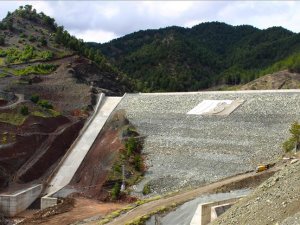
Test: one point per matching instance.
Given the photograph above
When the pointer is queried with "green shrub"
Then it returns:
(43, 41)
(32, 38)
(138, 163)
(23, 35)
(115, 192)
(131, 146)
(118, 168)
(146, 189)
(34, 98)
(45, 104)
(3, 53)
(46, 55)
(295, 68)
(294, 140)
(36, 69)
(24, 110)
(2, 40)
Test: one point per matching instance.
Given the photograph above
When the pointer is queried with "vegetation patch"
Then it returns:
(292, 63)
(119, 212)
(27, 54)
(46, 113)
(35, 69)
(16, 119)
(7, 137)
(141, 220)
(131, 159)
(294, 141)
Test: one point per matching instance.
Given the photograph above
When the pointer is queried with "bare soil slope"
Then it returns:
(280, 80)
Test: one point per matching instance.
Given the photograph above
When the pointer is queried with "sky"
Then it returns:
(102, 21)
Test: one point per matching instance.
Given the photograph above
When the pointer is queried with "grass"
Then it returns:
(39, 114)
(46, 113)
(1, 61)
(117, 213)
(36, 69)
(16, 119)
(27, 54)
(142, 219)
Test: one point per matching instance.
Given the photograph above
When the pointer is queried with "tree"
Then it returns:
(294, 140)
(131, 146)
(45, 104)
(28, 8)
(34, 98)
(115, 192)
(9, 23)
(138, 163)
(43, 41)
(24, 110)
(2, 40)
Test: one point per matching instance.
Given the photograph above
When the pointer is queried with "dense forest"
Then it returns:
(206, 55)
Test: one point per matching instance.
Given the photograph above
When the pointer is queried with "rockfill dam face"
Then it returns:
(184, 149)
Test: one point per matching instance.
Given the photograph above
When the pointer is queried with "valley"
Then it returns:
(115, 133)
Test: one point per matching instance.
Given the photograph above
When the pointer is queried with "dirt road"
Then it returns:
(20, 98)
(182, 197)
(84, 208)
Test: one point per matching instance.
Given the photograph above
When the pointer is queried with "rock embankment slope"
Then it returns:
(276, 201)
(189, 150)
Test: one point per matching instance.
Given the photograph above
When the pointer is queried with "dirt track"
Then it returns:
(83, 208)
(183, 197)
(20, 98)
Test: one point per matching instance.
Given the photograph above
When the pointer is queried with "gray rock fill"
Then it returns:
(188, 150)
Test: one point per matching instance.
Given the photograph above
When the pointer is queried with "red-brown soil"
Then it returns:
(3, 102)
(83, 208)
(95, 167)
(34, 147)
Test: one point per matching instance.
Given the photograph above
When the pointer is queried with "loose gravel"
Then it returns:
(276, 201)
(189, 150)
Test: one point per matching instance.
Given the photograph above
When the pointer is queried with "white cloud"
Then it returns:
(192, 23)
(167, 9)
(94, 35)
(110, 19)
(110, 12)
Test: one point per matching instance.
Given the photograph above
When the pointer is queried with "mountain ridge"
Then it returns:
(208, 54)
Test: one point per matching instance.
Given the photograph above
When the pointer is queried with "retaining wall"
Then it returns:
(14, 203)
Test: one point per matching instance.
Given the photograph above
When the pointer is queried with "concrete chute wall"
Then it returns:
(80, 147)
(13, 203)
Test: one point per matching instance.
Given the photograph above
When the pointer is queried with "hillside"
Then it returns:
(27, 36)
(206, 55)
(276, 201)
(279, 80)
(49, 81)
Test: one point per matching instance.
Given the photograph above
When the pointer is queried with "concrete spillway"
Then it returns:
(83, 143)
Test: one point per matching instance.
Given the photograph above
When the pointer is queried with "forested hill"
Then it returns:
(206, 55)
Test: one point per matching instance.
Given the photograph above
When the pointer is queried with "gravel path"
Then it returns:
(181, 197)
(188, 150)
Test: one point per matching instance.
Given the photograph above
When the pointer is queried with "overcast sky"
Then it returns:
(101, 21)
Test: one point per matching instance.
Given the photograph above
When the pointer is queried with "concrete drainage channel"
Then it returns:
(15, 202)
(186, 214)
(69, 165)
